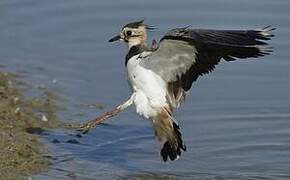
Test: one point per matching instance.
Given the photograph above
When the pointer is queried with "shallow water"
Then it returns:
(236, 121)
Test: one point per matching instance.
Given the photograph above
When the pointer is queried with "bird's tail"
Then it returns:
(168, 134)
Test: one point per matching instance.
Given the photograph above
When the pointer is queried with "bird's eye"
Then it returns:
(129, 33)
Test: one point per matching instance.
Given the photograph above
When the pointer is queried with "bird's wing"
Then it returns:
(185, 54)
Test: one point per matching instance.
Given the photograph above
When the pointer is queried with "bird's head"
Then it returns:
(133, 34)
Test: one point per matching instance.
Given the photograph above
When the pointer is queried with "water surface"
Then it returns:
(235, 122)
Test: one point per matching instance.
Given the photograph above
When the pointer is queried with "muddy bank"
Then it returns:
(21, 121)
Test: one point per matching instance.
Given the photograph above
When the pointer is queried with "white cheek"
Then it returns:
(133, 42)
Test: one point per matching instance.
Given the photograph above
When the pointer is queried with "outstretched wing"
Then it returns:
(185, 54)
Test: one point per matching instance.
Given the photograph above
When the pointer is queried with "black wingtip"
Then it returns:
(265, 33)
(269, 28)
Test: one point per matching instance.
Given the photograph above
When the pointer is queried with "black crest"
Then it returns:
(135, 24)
(138, 24)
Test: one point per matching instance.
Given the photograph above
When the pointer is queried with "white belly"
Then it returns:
(149, 88)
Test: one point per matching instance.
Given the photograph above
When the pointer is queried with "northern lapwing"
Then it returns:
(161, 75)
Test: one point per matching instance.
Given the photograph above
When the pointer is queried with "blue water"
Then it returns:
(235, 122)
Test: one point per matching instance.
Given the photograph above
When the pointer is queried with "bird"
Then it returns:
(161, 75)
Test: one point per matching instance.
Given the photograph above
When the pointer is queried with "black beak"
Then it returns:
(116, 38)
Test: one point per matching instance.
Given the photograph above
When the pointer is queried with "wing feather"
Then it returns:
(185, 54)
(172, 59)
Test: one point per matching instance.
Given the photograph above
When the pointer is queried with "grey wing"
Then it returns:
(185, 54)
(172, 59)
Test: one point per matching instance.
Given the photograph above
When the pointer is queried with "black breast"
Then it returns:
(134, 50)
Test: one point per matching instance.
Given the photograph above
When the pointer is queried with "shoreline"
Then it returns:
(22, 120)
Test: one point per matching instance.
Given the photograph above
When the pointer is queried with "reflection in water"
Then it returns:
(235, 122)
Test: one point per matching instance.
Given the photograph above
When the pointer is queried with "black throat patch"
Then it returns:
(134, 50)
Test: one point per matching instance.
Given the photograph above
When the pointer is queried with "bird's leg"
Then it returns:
(86, 127)
(127, 103)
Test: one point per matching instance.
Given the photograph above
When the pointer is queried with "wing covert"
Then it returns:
(172, 59)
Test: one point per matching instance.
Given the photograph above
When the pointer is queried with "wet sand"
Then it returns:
(22, 120)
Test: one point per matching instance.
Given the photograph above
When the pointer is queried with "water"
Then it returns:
(236, 122)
